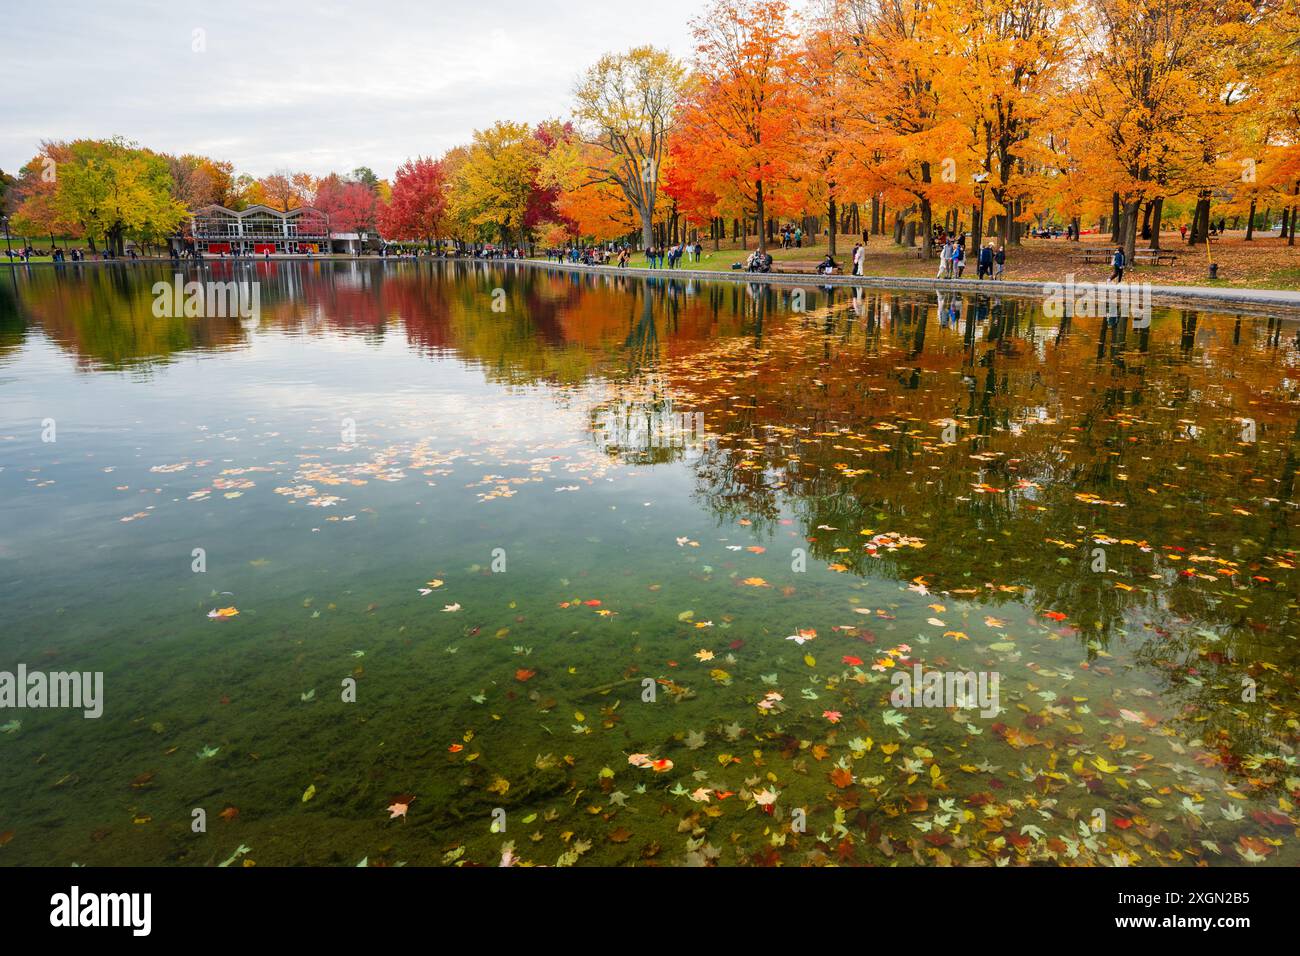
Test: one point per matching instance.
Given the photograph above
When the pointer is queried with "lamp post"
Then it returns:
(980, 179)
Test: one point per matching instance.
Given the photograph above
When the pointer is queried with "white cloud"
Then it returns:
(317, 86)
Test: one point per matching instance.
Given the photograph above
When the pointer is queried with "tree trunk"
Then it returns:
(1201, 219)
(1250, 222)
(1296, 192)
(758, 195)
(1156, 210)
(647, 228)
(927, 240)
(1114, 218)
(834, 221)
(1130, 229)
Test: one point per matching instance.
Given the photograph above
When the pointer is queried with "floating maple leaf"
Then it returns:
(842, 778)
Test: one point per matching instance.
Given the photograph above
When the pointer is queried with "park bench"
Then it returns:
(1153, 258)
(1141, 257)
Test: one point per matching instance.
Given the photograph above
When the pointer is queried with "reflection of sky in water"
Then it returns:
(664, 453)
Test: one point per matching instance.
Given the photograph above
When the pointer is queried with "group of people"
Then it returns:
(759, 262)
(587, 255)
(59, 254)
(990, 262)
(656, 256)
(620, 254)
(492, 252)
(791, 237)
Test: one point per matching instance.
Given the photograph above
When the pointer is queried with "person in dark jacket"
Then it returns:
(986, 261)
(1117, 266)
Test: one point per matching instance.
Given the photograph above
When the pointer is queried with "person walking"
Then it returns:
(858, 250)
(999, 262)
(985, 264)
(958, 259)
(945, 254)
(1117, 266)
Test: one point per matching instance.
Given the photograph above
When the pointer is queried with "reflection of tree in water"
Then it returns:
(103, 315)
(1217, 691)
(13, 328)
(1043, 479)
(643, 425)
(1097, 474)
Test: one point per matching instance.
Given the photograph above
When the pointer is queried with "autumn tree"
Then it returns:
(626, 108)
(906, 125)
(418, 206)
(822, 124)
(584, 206)
(31, 200)
(1150, 99)
(283, 190)
(199, 181)
(738, 120)
(112, 189)
(351, 206)
(1012, 52)
(493, 187)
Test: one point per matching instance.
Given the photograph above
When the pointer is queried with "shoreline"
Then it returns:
(1254, 301)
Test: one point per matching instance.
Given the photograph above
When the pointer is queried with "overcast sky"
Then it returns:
(317, 86)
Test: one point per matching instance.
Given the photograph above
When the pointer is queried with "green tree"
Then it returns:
(113, 189)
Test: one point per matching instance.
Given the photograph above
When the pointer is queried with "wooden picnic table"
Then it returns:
(1141, 257)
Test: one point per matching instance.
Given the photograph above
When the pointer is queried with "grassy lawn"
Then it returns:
(1267, 262)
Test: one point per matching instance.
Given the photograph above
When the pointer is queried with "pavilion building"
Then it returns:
(259, 230)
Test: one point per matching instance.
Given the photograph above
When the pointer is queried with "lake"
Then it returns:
(456, 564)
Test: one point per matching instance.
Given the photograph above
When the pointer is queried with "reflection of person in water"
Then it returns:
(912, 381)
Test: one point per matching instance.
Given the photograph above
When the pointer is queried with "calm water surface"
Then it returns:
(508, 527)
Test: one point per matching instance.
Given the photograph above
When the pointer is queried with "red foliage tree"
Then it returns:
(419, 203)
(351, 206)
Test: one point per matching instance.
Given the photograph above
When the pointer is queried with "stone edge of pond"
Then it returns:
(1261, 300)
